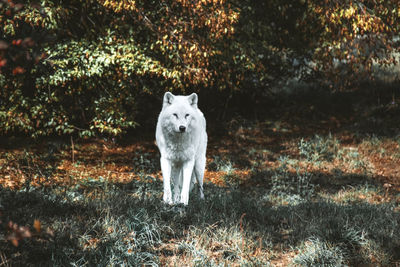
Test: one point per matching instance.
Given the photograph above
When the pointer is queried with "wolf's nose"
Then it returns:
(182, 128)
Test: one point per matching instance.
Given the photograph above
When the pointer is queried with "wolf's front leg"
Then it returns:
(176, 176)
(166, 172)
(199, 168)
(187, 171)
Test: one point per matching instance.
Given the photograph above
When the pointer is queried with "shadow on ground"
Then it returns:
(92, 226)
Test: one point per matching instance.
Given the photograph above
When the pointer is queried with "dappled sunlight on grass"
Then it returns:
(364, 193)
(269, 201)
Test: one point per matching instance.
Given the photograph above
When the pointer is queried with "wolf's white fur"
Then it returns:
(182, 140)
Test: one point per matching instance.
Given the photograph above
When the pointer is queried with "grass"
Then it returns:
(285, 196)
(108, 225)
(318, 253)
(229, 228)
(320, 148)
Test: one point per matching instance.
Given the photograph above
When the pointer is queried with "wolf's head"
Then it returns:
(180, 111)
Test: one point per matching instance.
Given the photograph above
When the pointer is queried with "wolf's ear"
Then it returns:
(168, 99)
(193, 98)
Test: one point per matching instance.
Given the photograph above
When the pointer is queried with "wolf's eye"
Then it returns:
(176, 115)
(186, 116)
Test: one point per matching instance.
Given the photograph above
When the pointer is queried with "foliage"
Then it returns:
(99, 59)
(351, 36)
(86, 67)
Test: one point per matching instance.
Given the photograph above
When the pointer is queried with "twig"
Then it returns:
(4, 260)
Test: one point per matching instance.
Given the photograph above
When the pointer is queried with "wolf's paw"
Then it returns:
(201, 193)
(168, 202)
(184, 200)
(167, 198)
(177, 199)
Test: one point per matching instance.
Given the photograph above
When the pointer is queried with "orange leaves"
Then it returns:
(355, 17)
(17, 233)
(37, 225)
(199, 4)
(351, 38)
(18, 70)
(185, 35)
(17, 42)
(349, 12)
(91, 243)
(3, 62)
(214, 19)
(119, 6)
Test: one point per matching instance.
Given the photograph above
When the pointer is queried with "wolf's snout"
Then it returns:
(182, 128)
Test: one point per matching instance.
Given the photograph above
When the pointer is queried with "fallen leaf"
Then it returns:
(37, 225)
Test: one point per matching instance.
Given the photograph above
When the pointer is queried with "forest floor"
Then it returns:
(315, 182)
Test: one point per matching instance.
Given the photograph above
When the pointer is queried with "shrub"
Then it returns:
(86, 67)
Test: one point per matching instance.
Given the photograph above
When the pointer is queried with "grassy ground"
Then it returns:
(317, 189)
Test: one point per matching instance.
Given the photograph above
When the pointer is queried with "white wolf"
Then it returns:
(182, 140)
